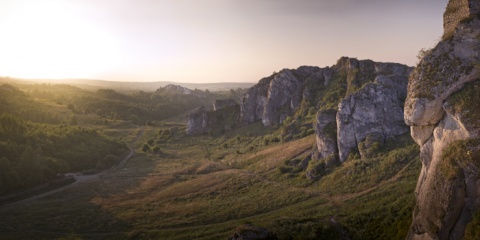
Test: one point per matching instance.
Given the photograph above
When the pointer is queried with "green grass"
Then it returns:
(183, 194)
(465, 101)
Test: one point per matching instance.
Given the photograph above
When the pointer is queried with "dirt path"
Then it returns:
(80, 178)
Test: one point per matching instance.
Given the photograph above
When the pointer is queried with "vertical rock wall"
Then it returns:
(441, 111)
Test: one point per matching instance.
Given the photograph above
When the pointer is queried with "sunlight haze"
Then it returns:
(206, 41)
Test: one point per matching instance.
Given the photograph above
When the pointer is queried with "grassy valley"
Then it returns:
(191, 187)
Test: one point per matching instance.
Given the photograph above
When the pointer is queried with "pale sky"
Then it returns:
(207, 40)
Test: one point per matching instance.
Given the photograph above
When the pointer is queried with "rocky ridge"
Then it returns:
(223, 116)
(278, 96)
(372, 108)
(443, 117)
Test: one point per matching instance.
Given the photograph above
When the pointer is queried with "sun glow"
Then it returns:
(54, 40)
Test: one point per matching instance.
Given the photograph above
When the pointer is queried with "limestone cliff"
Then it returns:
(374, 111)
(371, 107)
(278, 96)
(442, 111)
(224, 116)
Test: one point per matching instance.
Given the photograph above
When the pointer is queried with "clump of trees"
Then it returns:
(32, 153)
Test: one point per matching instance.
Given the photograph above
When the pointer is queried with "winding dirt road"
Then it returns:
(80, 178)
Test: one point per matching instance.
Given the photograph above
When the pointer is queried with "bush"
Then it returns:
(145, 148)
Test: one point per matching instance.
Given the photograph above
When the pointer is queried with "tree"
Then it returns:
(145, 148)
(156, 149)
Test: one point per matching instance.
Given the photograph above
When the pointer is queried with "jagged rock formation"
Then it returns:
(441, 108)
(372, 107)
(375, 110)
(197, 121)
(224, 116)
(278, 96)
(326, 135)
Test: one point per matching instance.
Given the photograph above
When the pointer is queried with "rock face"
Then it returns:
(197, 121)
(457, 10)
(326, 135)
(224, 116)
(441, 110)
(372, 108)
(283, 98)
(278, 96)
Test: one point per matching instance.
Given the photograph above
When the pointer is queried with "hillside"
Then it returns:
(206, 185)
(90, 84)
(357, 150)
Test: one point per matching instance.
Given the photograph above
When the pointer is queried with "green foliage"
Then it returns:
(473, 228)
(459, 155)
(334, 93)
(385, 213)
(33, 153)
(145, 148)
(363, 173)
(156, 149)
(330, 130)
(466, 101)
(289, 229)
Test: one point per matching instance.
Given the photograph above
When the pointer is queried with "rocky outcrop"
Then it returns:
(441, 110)
(197, 121)
(278, 96)
(254, 101)
(224, 116)
(326, 135)
(375, 110)
(370, 112)
(458, 10)
(283, 98)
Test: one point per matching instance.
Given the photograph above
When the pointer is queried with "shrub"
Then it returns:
(145, 148)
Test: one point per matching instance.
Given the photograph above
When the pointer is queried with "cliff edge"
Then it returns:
(442, 112)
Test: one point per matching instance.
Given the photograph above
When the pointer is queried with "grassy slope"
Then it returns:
(198, 188)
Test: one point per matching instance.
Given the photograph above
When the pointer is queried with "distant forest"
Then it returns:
(42, 135)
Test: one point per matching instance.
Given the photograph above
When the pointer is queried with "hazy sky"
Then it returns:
(206, 40)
